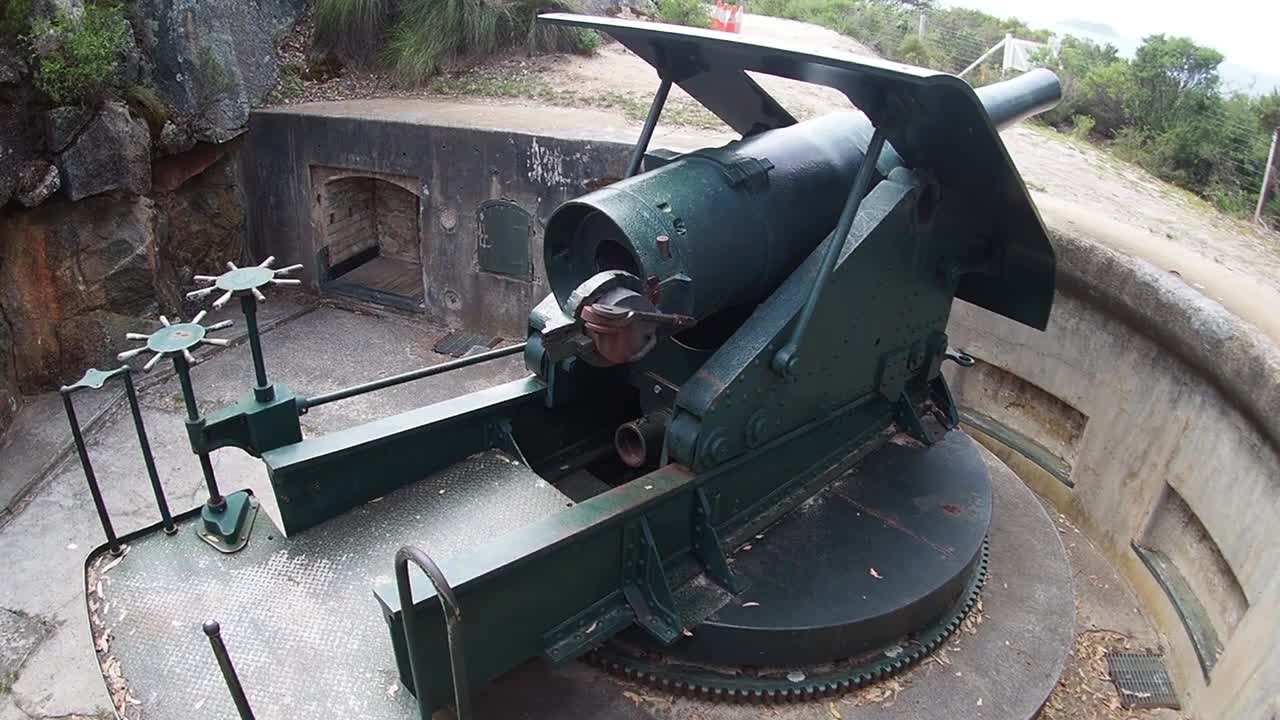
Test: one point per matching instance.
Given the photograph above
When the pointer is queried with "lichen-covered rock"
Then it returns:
(36, 183)
(12, 67)
(112, 153)
(174, 139)
(62, 125)
(214, 59)
(65, 260)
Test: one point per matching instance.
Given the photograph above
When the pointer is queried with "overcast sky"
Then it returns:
(1246, 31)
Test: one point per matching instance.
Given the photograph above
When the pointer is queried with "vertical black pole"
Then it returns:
(650, 123)
(788, 356)
(214, 631)
(262, 390)
(216, 501)
(156, 487)
(89, 476)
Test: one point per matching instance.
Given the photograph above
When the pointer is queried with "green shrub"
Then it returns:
(419, 38)
(355, 29)
(684, 12)
(77, 57)
(1081, 126)
(144, 101)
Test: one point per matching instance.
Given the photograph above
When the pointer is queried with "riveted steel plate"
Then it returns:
(298, 614)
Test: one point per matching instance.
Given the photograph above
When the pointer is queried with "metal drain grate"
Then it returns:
(1142, 680)
(459, 343)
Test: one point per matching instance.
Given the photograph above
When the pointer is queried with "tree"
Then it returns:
(1172, 76)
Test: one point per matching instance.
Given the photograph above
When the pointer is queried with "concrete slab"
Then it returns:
(20, 634)
(556, 122)
(61, 678)
(41, 435)
(40, 438)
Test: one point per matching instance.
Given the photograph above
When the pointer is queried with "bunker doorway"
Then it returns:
(370, 244)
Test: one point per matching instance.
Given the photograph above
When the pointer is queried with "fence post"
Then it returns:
(1268, 177)
(924, 21)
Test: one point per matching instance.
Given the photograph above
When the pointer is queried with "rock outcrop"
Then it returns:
(111, 152)
(214, 59)
(63, 261)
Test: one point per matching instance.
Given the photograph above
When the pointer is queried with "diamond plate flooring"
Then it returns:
(298, 614)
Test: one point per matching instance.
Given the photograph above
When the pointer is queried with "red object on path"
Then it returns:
(726, 17)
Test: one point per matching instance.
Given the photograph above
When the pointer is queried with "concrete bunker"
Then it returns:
(367, 236)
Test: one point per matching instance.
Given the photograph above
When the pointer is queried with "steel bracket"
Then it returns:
(707, 546)
(909, 418)
(644, 584)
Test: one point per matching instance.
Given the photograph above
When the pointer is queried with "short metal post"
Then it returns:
(214, 631)
(788, 356)
(650, 123)
(88, 474)
(183, 368)
(262, 389)
(1268, 176)
(452, 627)
(147, 457)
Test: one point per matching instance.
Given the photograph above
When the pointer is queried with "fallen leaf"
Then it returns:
(835, 714)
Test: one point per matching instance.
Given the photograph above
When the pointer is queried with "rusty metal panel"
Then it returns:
(502, 239)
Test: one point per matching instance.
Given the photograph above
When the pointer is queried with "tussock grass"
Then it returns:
(418, 38)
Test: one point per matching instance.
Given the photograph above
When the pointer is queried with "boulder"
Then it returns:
(112, 153)
(215, 59)
(63, 125)
(175, 140)
(36, 183)
(12, 67)
(65, 260)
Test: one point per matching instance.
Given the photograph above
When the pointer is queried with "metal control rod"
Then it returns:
(650, 123)
(305, 404)
(788, 356)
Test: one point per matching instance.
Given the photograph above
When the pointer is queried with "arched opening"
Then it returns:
(369, 241)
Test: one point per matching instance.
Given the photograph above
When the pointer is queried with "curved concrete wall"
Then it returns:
(1150, 415)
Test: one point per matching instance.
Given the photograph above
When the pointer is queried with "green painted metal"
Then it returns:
(251, 424)
(228, 527)
(565, 570)
(317, 478)
(502, 239)
(935, 122)
(644, 583)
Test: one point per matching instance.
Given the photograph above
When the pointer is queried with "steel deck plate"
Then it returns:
(298, 614)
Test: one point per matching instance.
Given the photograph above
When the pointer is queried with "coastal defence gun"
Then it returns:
(734, 423)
